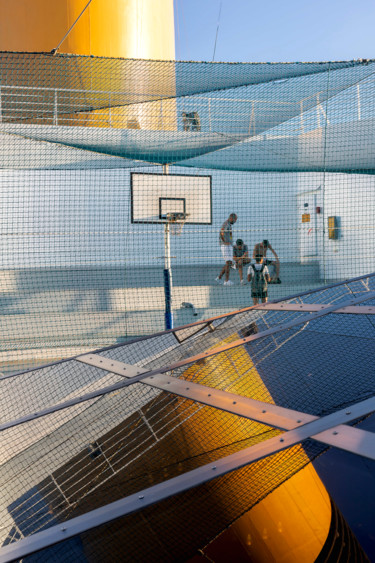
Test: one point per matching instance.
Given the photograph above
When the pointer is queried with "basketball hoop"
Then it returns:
(176, 222)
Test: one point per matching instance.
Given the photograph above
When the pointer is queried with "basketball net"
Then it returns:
(176, 222)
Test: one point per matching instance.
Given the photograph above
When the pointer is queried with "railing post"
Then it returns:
(55, 118)
(302, 122)
(359, 103)
(252, 119)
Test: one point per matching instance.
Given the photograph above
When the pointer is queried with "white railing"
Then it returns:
(21, 103)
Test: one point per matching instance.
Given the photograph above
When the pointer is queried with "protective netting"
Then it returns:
(77, 436)
(96, 152)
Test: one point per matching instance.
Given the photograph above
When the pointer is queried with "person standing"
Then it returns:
(259, 277)
(226, 246)
(241, 257)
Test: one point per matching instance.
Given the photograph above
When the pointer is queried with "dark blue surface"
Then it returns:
(32, 514)
(350, 480)
(327, 365)
(321, 367)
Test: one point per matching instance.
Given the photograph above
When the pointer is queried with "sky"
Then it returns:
(272, 30)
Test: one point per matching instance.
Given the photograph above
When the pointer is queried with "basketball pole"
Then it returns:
(167, 271)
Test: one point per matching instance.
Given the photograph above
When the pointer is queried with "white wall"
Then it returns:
(53, 218)
(352, 199)
(78, 217)
(62, 218)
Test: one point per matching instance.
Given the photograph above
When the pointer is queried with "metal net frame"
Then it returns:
(162, 426)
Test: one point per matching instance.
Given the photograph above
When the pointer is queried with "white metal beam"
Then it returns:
(343, 437)
(266, 413)
(186, 361)
(314, 307)
(179, 484)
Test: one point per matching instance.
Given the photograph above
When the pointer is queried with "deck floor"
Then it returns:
(48, 314)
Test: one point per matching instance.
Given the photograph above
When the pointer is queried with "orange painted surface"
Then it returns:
(130, 29)
(289, 525)
(115, 28)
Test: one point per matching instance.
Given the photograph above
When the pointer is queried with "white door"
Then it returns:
(307, 225)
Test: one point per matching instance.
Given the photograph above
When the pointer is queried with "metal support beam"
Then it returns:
(343, 437)
(172, 487)
(314, 307)
(141, 374)
(266, 413)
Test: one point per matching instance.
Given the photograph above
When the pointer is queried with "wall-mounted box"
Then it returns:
(333, 228)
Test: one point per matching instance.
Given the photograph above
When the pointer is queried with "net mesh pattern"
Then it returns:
(271, 163)
(288, 147)
(79, 456)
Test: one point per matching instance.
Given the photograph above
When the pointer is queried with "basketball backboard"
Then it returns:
(154, 196)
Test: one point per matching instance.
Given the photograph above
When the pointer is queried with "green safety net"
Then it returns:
(117, 181)
(266, 114)
(288, 147)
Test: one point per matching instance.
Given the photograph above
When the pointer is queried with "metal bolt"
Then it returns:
(141, 497)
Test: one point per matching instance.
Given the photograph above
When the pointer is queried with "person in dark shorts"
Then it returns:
(259, 277)
(261, 248)
(240, 257)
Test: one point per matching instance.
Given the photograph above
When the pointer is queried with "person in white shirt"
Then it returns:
(226, 245)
